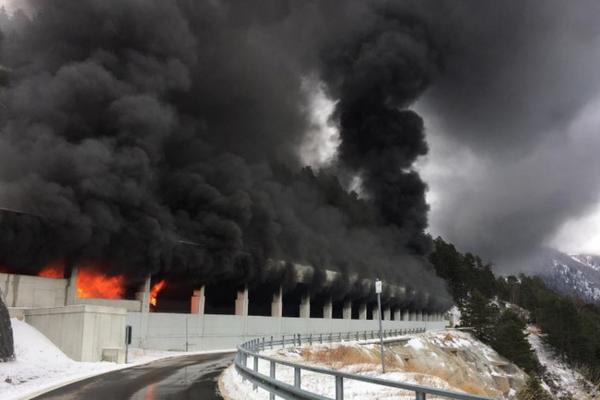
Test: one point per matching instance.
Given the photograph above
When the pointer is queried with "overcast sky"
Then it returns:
(514, 131)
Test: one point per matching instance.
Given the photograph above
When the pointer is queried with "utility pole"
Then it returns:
(378, 287)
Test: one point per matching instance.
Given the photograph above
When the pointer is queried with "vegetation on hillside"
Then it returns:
(571, 326)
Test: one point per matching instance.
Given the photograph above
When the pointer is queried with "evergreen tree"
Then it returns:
(480, 315)
(510, 341)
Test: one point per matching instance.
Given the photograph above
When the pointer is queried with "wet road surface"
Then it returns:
(190, 377)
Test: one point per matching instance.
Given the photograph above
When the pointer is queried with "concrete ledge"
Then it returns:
(129, 305)
(17, 312)
(75, 308)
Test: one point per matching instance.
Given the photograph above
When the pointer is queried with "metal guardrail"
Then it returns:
(275, 387)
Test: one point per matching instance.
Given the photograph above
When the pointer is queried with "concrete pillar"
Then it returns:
(420, 315)
(305, 306)
(198, 301)
(387, 313)
(72, 287)
(143, 295)
(347, 311)
(328, 309)
(362, 311)
(397, 314)
(406, 315)
(277, 304)
(413, 316)
(241, 302)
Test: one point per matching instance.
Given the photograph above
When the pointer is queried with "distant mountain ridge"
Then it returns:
(573, 275)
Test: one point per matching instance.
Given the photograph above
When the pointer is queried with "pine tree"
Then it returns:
(510, 341)
(480, 315)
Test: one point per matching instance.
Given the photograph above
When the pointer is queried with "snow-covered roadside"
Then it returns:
(233, 387)
(559, 378)
(449, 360)
(40, 365)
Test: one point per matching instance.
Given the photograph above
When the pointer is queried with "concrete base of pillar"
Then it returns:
(241, 302)
(143, 295)
(387, 314)
(362, 311)
(277, 304)
(328, 309)
(305, 306)
(347, 312)
(198, 301)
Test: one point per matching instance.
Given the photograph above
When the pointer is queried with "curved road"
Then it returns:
(187, 377)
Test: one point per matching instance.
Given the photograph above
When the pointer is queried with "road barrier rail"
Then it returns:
(252, 348)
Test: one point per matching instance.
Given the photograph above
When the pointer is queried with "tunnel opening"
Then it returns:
(291, 300)
(338, 310)
(261, 299)
(220, 298)
(316, 306)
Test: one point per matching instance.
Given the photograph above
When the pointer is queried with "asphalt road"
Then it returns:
(189, 377)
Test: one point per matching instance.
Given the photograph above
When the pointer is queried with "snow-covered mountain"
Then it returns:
(573, 275)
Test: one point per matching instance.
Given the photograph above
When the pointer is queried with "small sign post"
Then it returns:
(378, 290)
(127, 342)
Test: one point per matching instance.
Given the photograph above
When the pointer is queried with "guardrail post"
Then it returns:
(310, 339)
(263, 343)
(299, 340)
(340, 338)
(297, 382)
(321, 337)
(420, 396)
(283, 341)
(254, 385)
(272, 375)
(339, 388)
(271, 342)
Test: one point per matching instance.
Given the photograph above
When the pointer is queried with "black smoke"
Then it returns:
(162, 137)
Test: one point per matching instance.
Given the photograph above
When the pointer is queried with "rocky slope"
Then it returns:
(450, 360)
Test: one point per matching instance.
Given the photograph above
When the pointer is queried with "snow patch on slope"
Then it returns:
(559, 378)
(449, 360)
(39, 363)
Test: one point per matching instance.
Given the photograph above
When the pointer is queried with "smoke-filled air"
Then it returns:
(150, 136)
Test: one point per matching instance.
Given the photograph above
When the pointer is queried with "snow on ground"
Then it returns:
(559, 379)
(449, 360)
(40, 364)
(233, 387)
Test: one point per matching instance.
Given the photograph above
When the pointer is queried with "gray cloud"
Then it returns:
(513, 110)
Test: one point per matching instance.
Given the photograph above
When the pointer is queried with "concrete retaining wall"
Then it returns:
(32, 291)
(81, 331)
(207, 332)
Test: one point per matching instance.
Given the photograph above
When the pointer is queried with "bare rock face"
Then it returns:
(7, 352)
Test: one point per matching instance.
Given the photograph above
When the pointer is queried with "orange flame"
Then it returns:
(94, 284)
(156, 288)
(54, 270)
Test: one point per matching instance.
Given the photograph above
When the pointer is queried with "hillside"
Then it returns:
(449, 360)
(568, 327)
(570, 275)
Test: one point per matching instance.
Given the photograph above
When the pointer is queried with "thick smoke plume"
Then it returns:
(162, 137)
